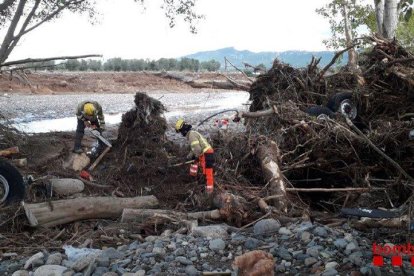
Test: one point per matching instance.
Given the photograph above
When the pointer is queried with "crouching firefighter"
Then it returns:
(89, 114)
(201, 150)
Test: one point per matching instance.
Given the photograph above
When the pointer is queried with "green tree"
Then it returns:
(189, 64)
(405, 33)
(72, 65)
(95, 65)
(211, 65)
(83, 65)
(345, 19)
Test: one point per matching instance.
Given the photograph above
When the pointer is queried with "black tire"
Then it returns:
(319, 110)
(336, 99)
(11, 180)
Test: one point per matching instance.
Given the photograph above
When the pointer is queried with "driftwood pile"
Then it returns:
(333, 162)
(141, 158)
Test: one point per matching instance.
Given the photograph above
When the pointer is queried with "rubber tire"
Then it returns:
(319, 110)
(15, 180)
(336, 99)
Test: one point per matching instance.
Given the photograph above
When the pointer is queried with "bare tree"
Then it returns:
(345, 17)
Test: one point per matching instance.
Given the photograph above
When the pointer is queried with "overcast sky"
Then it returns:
(126, 30)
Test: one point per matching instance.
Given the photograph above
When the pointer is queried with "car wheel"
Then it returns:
(12, 186)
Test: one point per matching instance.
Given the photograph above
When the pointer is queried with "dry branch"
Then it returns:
(31, 60)
(374, 147)
(142, 215)
(335, 57)
(330, 190)
(235, 67)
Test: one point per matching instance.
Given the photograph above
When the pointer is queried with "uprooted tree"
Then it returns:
(20, 17)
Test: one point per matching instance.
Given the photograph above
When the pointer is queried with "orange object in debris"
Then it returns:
(193, 169)
(86, 175)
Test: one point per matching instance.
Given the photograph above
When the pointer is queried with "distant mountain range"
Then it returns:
(294, 58)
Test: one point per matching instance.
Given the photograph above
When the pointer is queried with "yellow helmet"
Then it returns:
(179, 124)
(89, 109)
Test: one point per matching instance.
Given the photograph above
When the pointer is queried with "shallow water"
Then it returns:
(46, 113)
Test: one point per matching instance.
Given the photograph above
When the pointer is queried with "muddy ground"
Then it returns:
(101, 82)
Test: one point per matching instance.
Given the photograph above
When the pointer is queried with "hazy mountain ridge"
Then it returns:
(237, 57)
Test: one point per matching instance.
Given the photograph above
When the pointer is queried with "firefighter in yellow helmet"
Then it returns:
(201, 150)
(89, 114)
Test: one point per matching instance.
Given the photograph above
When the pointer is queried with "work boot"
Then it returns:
(78, 143)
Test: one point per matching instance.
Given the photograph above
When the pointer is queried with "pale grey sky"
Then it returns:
(127, 30)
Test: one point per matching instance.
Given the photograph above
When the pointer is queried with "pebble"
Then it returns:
(211, 231)
(313, 251)
(50, 270)
(183, 260)
(112, 253)
(266, 227)
(191, 270)
(54, 259)
(99, 271)
(310, 261)
(34, 261)
(21, 273)
(217, 245)
(340, 243)
(159, 251)
(285, 231)
(317, 253)
(84, 262)
(305, 237)
(320, 231)
(331, 265)
(251, 243)
(330, 272)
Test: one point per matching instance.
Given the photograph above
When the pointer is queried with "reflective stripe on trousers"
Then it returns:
(207, 164)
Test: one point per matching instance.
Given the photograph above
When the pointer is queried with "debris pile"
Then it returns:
(366, 154)
(140, 160)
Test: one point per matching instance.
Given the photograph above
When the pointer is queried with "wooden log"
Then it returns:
(9, 151)
(49, 214)
(141, 215)
(269, 156)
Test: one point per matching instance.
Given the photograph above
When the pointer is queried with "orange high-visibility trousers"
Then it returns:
(207, 164)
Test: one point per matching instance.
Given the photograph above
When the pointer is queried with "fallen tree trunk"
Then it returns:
(142, 215)
(58, 212)
(203, 84)
(269, 156)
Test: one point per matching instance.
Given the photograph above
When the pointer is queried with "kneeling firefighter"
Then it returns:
(89, 114)
(200, 149)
